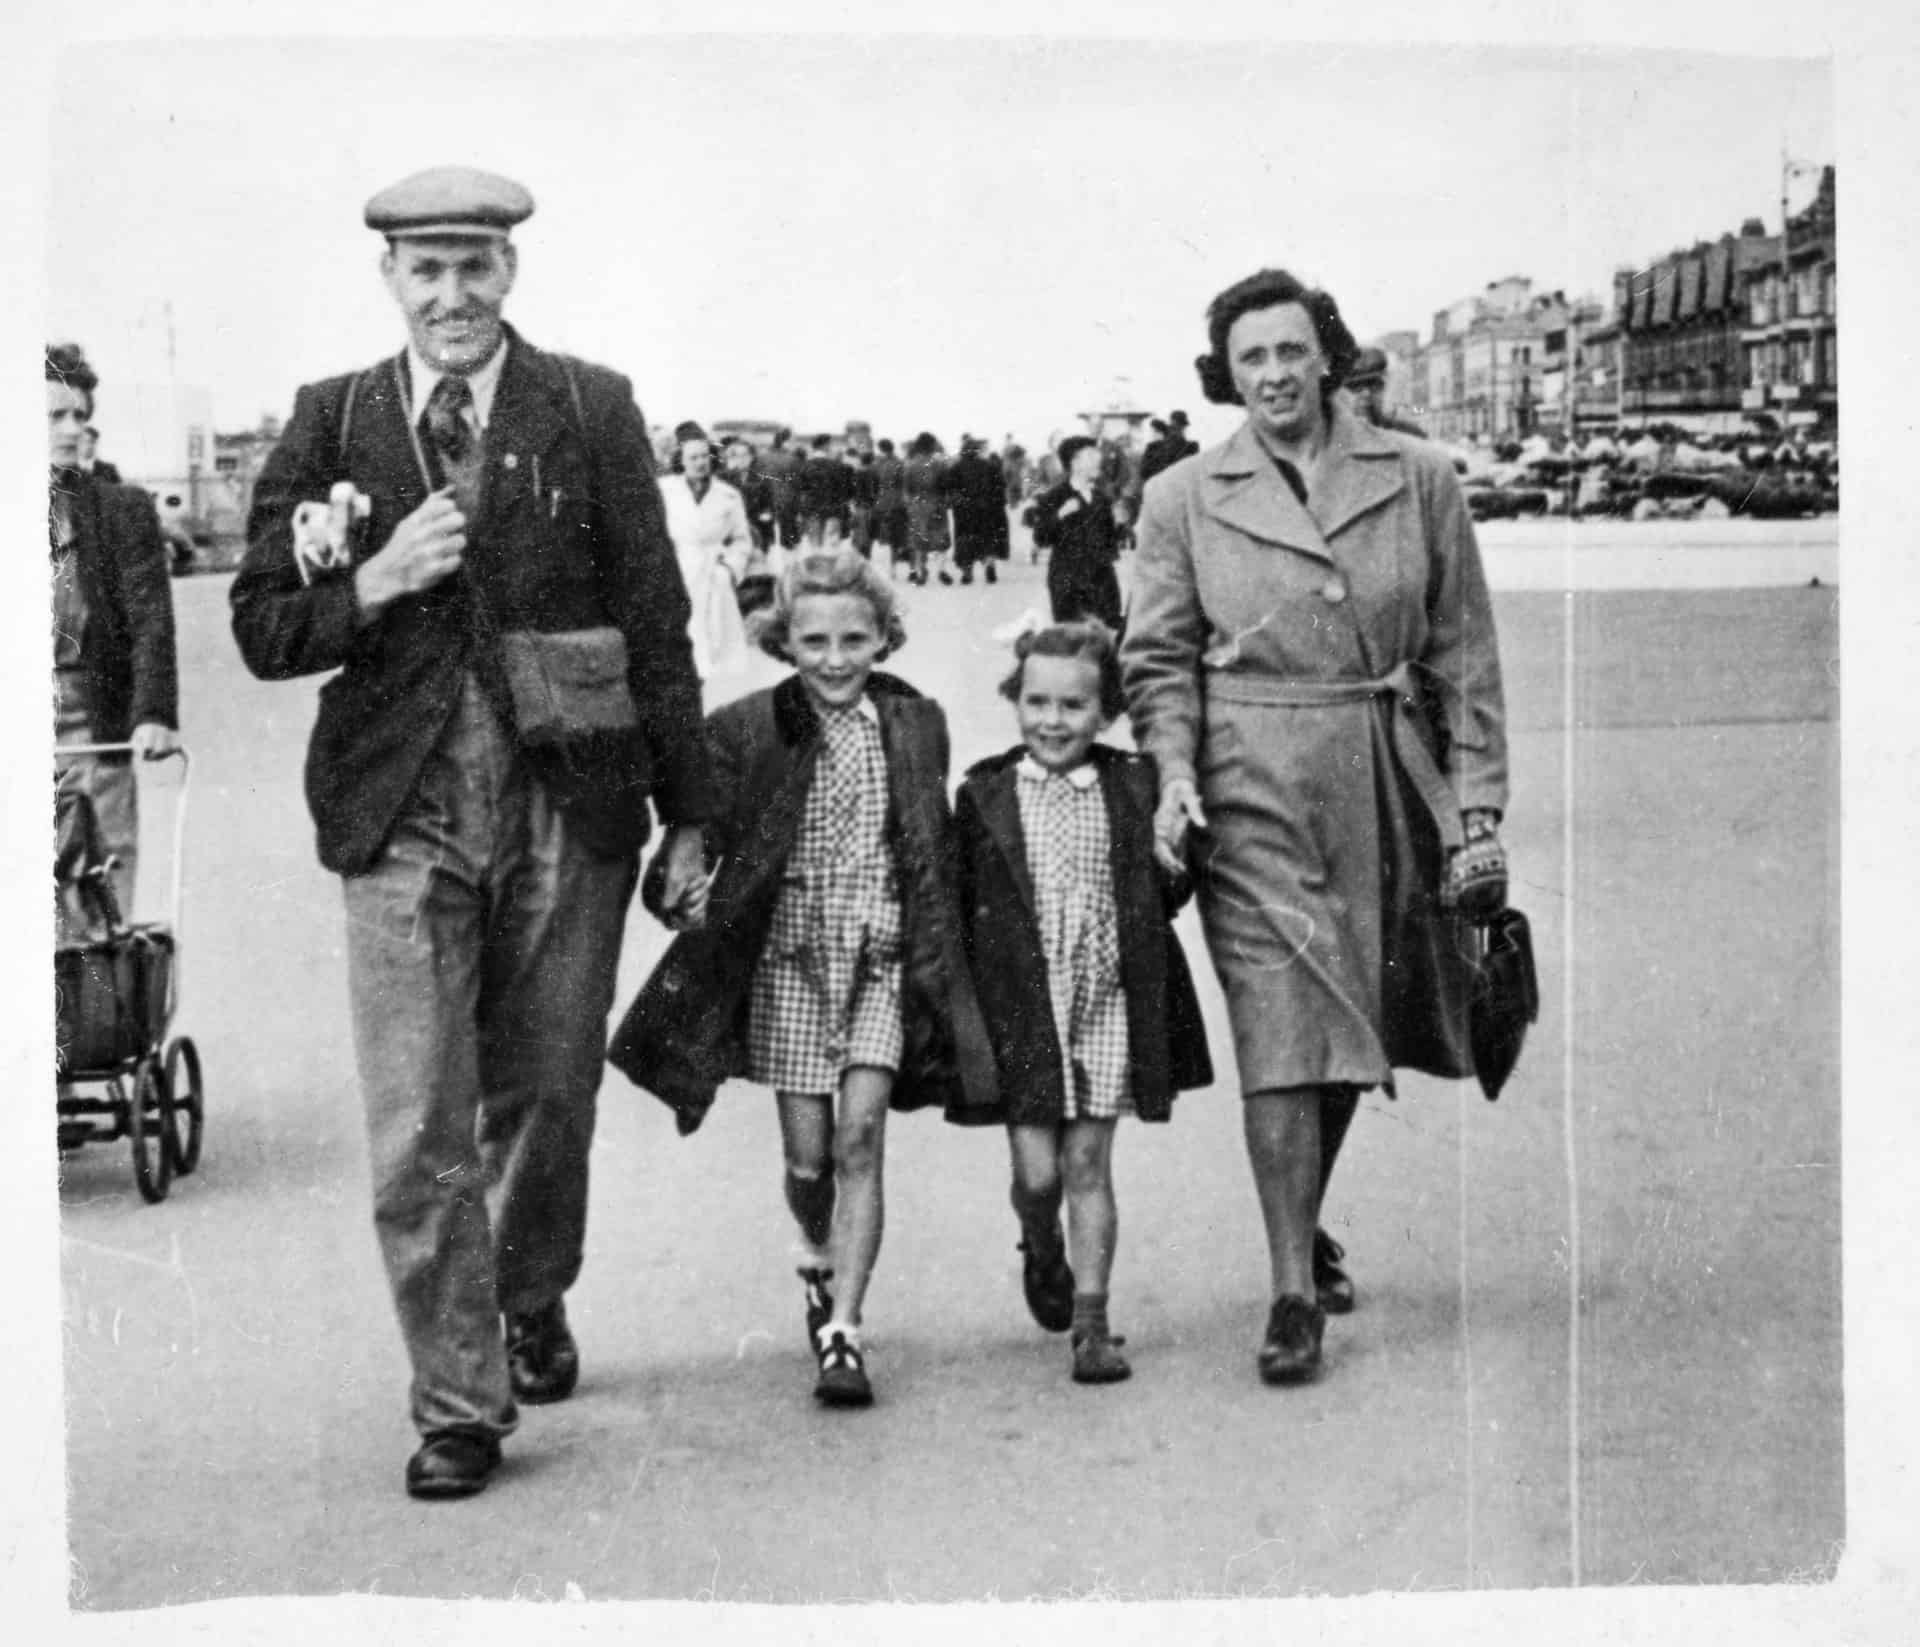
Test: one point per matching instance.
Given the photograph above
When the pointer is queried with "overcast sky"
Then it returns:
(948, 233)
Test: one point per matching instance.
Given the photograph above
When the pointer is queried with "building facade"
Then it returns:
(1495, 367)
(1790, 364)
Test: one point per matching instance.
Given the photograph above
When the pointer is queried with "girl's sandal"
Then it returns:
(843, 1371)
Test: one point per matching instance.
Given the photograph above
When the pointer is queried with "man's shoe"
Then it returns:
(1097, 1359)
(1332, 1285)
(843, 1369)
(1047, 1278)
(452, 1464)
(992, 577)
(543, 1362)
(1291, 1353)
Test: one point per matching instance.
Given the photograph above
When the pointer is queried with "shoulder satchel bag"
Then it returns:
(568, 685)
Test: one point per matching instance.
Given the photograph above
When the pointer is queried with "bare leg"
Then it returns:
(1037, 1188)
(1283, 1146)
(1093, 1220)
(806, 1134)
(859, 1213)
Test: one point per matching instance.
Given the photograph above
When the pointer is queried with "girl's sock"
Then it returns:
(810, 1200)
(1090, 1315)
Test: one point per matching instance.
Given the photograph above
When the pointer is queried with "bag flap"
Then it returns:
(579, 657)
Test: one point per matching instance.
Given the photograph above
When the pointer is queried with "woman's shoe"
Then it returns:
(843, 1370)
(992, 576)
(1291, 1353)
(1332, 1285)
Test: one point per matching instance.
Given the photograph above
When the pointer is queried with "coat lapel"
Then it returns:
(1242, 489)
(999, 798)
(382, 456)
(531, 410)
(1361, 470)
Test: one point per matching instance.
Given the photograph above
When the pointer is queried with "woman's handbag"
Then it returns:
(1506, 998)
(567, 685)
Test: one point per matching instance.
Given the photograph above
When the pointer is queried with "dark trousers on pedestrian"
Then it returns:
(481, 950)
(1084, 592)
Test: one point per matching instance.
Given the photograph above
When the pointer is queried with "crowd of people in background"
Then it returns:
(924, 513)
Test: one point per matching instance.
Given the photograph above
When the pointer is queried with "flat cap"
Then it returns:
(1369, 366)
(456, 201)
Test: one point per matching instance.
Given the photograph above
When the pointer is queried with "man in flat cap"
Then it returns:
(1169, 445)
(1367, 383)
(471, 535)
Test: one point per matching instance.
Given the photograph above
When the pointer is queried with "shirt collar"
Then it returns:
(1082, 776)
(861, 706)
(422, 378)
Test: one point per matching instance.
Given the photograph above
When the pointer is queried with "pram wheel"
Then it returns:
(149, 1119)
(187, 1108)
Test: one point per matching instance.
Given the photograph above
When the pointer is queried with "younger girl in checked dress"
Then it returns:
(825, 960)
(1085, 990)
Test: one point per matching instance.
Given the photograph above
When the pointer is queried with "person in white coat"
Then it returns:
(707, 519)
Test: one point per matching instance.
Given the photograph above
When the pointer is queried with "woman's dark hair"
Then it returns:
(1268, 290)
(1086, 638)
(1072, 447)
(66, 364)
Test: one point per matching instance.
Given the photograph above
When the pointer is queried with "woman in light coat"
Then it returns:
(1311, 661)
(707, 519)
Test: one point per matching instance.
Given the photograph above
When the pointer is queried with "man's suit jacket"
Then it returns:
(571, 534)
(120, 564)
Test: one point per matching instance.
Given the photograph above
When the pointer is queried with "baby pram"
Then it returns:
(115, 987)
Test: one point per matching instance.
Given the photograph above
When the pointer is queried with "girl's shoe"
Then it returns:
(1047, 1279)
(843, 1370)
(819, 1301)
(1097, 1359)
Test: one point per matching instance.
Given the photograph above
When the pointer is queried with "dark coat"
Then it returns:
(592, 550)
(1083, 545)
(686, 1032)
(120, 565)
(1166, 1037)
(977, 490)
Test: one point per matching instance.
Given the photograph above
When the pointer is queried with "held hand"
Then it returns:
(1071, 506)
(1475, 883)
(686, 883)
(152, 742)
(1179, 810)
(425, 548)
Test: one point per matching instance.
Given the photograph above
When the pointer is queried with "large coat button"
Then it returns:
(1335, 591)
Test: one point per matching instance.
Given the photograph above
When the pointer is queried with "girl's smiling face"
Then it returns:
(1059, 710)
(834, 641)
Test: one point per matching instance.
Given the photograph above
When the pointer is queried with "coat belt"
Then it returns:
(1396, 692)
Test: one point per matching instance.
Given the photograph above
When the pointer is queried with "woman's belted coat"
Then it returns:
(1326, 672)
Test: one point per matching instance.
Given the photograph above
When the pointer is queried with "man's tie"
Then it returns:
(451, 430)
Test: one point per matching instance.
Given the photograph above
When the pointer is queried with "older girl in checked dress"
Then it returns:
(1083, 985)
(825, 961)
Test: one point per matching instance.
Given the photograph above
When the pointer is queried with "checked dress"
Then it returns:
(1069, 855)
(827, 992)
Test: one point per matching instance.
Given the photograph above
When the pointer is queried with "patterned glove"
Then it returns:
(1475, 883)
